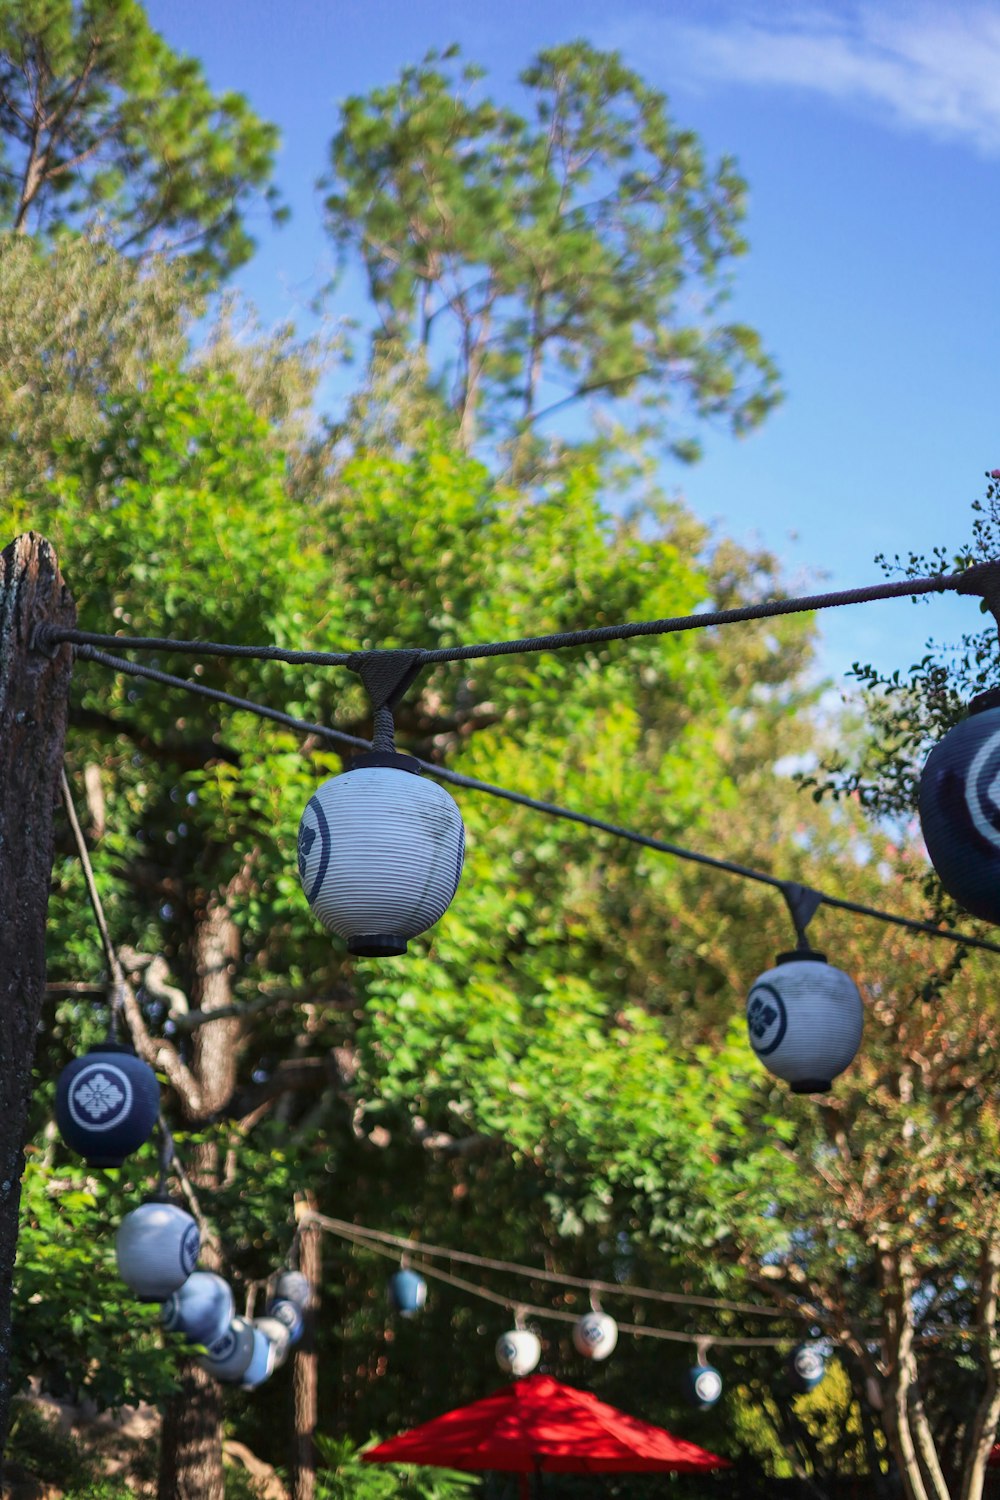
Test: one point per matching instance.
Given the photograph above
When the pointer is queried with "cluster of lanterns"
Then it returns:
(157, 1249)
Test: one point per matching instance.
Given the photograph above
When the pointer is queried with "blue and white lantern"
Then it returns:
(228, 1359)
(261, 1364)
(407, 1293)
(805, 1020)
(278, 1335)
(518, 1351)
(380, 853)
(202, 1309)
(806, 1367)
(156, 1248)
(294, 1287)
(703, 1386)
(288, 1313)
(960, 809)
(595, 1335)
(106, 1104)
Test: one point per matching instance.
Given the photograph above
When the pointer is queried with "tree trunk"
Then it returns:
(191, 1443)
(982, 1430)
(305, 1371)
(34, 688)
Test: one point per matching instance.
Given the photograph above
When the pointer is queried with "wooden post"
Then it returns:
(305, 1366)
(34, 691)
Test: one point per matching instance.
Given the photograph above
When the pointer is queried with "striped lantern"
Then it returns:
(518, 1351)
(288, 1313)
(106, 1104)
(277, 1336)
(407, 1293)
(960, 809)
(806, 1367)
(595, 1335)
(805, 1020)
(703, 1386)
(202, 1309)
(228, 1359)
(294, 1286)
(156, 1248)
(261, 1362)
(380, 853)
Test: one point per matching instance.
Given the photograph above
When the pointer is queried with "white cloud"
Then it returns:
(933, 69)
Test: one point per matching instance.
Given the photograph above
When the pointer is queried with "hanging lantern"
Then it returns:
(806, 1367)
(294, 1286)
(960, 809)
(289, 1314)
(518, 1351)
(157, 1248)
(595, 1335)
(407, 1293)
(202, 1309)
(703, 1386)
(228, 1359)
(261, 1362)
(805, 1020)
(380, 853)
(106, 1104)
(277, 1334)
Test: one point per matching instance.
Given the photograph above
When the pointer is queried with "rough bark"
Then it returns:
(982, 1430)
(33, 702)
(305, 1371)
(191, 1443)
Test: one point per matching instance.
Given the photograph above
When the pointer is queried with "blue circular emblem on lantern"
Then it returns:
(806, 1367)
(960, 809)
(288, 1313)
(703, 1386)
(106, 1104)
(407, 1293)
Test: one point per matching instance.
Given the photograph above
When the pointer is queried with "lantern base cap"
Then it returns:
(812, 1086)
(377, 945)
(801, 955)
(389, 760)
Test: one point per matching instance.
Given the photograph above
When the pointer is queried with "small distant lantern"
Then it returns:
(157, 1249)
(959, 808)
(518, 1351)
(262, 1361)
(703, 1385)
(595, 1335)
(278, 1335)
(806, 1367)
(407, 1293)
(202, 1309)
(107, 1102)
(805, 1020)
(294, 1286)
(380, 853)
(228, 1359)
(288, 1313)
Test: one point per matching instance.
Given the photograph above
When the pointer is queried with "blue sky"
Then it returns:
(870, 137)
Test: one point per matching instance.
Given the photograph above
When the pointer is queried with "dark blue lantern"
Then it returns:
(703, 1386)
(106, 1104)
(806, 1367)
(960, 809)
(407, 1293)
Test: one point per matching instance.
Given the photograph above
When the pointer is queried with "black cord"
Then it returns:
(937, 583)
(550, 809)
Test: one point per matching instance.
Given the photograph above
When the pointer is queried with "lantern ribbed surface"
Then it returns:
(202, 1309)
(518, 1351)
(380, 856)
(156, 1248)
(805, 1020)
(106, 1104)
(960, 812)
(229, 1357)
(595, 1335)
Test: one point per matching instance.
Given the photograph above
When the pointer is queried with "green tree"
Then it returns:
(100, 118)
(580, 250)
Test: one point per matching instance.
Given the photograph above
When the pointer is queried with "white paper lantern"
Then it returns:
(518, 1351)
(277, 1335)
(595, 1335)
(289, 1313)
(261, 1362)
(380, 854)
(157, 1248)
(293, 1286)
(229, 1357)
(202, 1309)
(805, 1020)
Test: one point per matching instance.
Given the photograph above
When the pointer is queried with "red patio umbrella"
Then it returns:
(538, 1425)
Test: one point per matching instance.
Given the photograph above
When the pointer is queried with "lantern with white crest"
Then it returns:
(156, 1248)
(381, 848)
(806, 1367)
(595, 1334)
(228, 1358)
(804, 1017)
(107, 1100)
(518, 1350)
